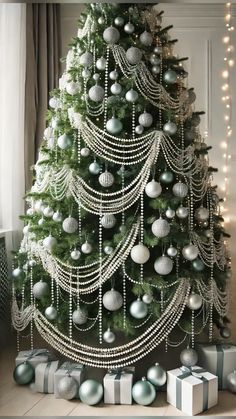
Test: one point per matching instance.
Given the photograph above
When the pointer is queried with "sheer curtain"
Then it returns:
(12, 99)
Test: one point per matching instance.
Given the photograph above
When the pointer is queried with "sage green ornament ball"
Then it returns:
(91, 392)
(23, 374)
(225, 332)
(170, 76)
(157, 375)
(143, 392)
(114, 125)
(166, 177)
(198, 265)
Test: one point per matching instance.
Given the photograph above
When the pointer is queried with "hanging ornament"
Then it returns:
(180, 190)
(51, 313)
(32, 263)
(86, 59)
(49, 243)
(86, 248)
(143, 392)
(138, 309)
(96, 77)
(140, 253)
(101, 63)
(70, 225)
(48, 212)
(139, 129)
(194, 301)
(170, 76)
(108, 220)
(38, 206)
(86, 73)
(129, 28)
(157, 50)
(64, 141)
(41, 221)
(113, 75)
(208, 233)
(18, 273)
(146, 38)
(30, 211)
(94, 168)
(156, 69)
(163, 265)
(225, 332)
(160, 228)
(23, 373)
(96, 93)
(131, 96)
(114, 126)
(201, 214)
(153, 189)
(157, 375)
(182, 212)
(111, 35)
(80, 316)
(191, 96)
(48, 133)
(54, 102)
(195, 121)
(57, 217)
(106, 179)
(190, 252)
(166, 177)
(198, 265)
(154, 60)
(119, 21)
(73, 88)
(170, 213)
(101, 20)
(75, 254)
(40, 289)
(147, 298)
(112, 300)
(188, 357)
(172, 251)
(170, 128)
(231, 382)
(109, 336)
(91, 392)
(145, 119)
(134, 55)
(116, 88)
(67, 388)
(85, 152)
(55, 123)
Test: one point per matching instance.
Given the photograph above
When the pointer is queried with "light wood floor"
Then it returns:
(21, 401)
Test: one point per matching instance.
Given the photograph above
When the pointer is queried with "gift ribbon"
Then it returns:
(187, 372)
(46, 375)
(118, 374)
(220, 348)
(71, 367)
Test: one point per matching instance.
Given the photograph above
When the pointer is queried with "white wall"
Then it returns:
(199, 29)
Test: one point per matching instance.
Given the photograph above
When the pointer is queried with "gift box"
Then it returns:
(34, 357)
(118, 386)
(68, 368)
(219, 359)
(192, 390)
(44, 376)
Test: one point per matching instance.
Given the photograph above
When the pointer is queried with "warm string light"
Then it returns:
(227, 101)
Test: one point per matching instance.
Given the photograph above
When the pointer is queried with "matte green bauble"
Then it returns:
(91, 392)
(170, 76)
(189, 357)
(166, 177)
(156, 375)
(143, 392)
(198, 265)
(231, 382)
(114, 126)
(23, 374)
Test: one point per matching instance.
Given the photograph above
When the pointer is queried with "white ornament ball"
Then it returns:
(106, 179)
(96, 93)
(48, 212)
(114, 126)
(79, 316)
(101, 63)
(54, 102)
(55, 123)
(156, 69)
(85, 152)
(70, 225)
(111, 35)
(146, 38)
(201, 214)
(108, 250)
(109, 336)
(170, 213)
(160, 228)
(138, 309)
(139, 129)
(194, 301)
(30, 211)
(86, 59)
(38, 206)
(153, 189)
(172, 251)
(134, 55)
(112, 300)
(26, 229)
(140, 253)
(86, 248)
(182, 212)
(101, 20)
(190, 252)
(108, 220)
(188, 357)
(147, 298)
(51, 313)
(180, 190)
(113, 75)
(41, 221)
(154, 60)
(32, 263)
(73, 88)
(163, 265)
(145, 119)
(75, 254)
(131, 96)
(96, 76)
(40, 290)
(116, 88)
(48, 133)
(86, 73)
(57, 217)
(67, 388)
(49, 243)
(129, 28)
(119, 21)
(170, 128)
(94, 168)
(64, 141)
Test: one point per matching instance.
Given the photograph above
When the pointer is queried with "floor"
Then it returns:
(21, 401)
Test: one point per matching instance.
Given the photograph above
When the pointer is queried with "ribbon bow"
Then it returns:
(71, 367)
(187, 371)
(36, 352)
(119, 371)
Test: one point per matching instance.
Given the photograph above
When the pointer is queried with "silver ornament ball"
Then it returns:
(140, 254)
(50, 243)
(96, 76)
(51, 313)
(170, 128)
(225, 332)
(86, 73)
(145, 119)
(57, 217)
(163, 265)
(18, 273)
(156, 69)
(70, 225)
(194, 301)
(108, 250)
(113, 75)
(94, 168)
(170, 76)
(160, 228)
(86, 248)
(153, 189)
(134, 55)
(64, 141)
(91, 392)
(138, 309)
(180, 190)
(139, 129)
(116, 88)
(75, 254)
(106, 179)
(182, 212)
(143, 392)
(172, 251)
(48, 212)
(170, 213)
(198, 265)
(112, 300)
(147, 298)
(109, 336)
(108, 220)
(190, 252)
(146, 38)
(40, 289)
(131, 96)
(67, 387)
(231, 382)
(157, 375)
(79, 316)
(188, 357)
(119, 21)
(101, 63)
(129, 28)
(96, 93)
(154, 60)
(85, 152)
(111, 35)
(114, 126)
(86, 59)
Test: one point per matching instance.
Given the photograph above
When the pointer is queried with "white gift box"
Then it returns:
(68, 368)
(219, 359)
(192, 390)
(118, 386)
(34, 357)
(44, 376)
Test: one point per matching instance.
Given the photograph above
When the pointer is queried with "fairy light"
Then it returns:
(227, 101)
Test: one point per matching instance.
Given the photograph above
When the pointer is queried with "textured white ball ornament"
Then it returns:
(101, 20)
(38, 206)
(170, 128)
(188, 357)
(40, 289)
(140, 253)
(101, 63)
(182, 212)
(57, 217)
(146, 38)
(51, 313)
(139, 129)
(194, 301)
(129, 28)
(75, 254)
(96, 76)
(96, 93)
(48, 212)
(41, 221)
(138, 309)
(94, 168)
(163, 265)
(145, 119)
(30, 211)
(55, 123)
(170, 213)
(190, 252)
(160, 228)
(147, 298)
(116, 88)
(73, 88)
(86, 248)
(70, 225)
(85, 152)
(131, 96)
(79, 316)
(111, 35)
(114, 126)
(134, 55)
(64, 141)
(106, 179)
(109, 336)
(112, 300)
(67, 388)
(54, 102)
(108, 220)
(108, 250)
(153, 189)
(201, 214)
(156, 69)
(113, 75)
(86, 73)
(86, 59)
(49, 243)
(180, 190)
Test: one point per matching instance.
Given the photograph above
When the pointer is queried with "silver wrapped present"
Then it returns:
(44, 376)
(192, 390)
(34, 357)
(219, 359)
(68, 368)
(118, 386)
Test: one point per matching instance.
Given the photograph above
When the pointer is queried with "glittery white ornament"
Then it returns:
(170, 128)
(70, 225)
(75, 254)
(101, 20)
(188, 357)
(131, 96)
(49, 243)
(86, 73)
(134, 55)
(108, 220)
(163, 265)
(41, 221)
(55, 123)
(172, 251)
(194, 301)
(38, 206)
(145, 119)
(106, 179)
(170, 213)
(57, 217)
(48, 132)
(160, 228)
(180, 190)
(101, 63)
(138, 309)
(48, 212)
(109, 336)
(190, 252)
(153, 189)
(111, 35)
(112, 300)
(94, 168)
(86, 248)
(54, 102)
(79, 316)
(86, 59)
(147, 298)
(116, 88)
(40, 289)
(96, 93)
(26, 229)
(146, 38)
(129, 28)
(114, 126)
(64, 141)
(73, 88)
(96, 76)
(67, 388)
(85, 152)
(140, 253)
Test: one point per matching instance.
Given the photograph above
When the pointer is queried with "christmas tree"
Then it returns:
(123, 238)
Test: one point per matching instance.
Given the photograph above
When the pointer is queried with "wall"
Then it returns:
(199, 29)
